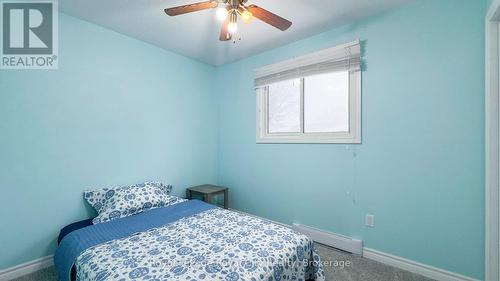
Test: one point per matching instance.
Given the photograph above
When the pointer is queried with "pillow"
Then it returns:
(129, 200)
(98, 198)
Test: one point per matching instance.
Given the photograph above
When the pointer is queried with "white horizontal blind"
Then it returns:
(339, 58)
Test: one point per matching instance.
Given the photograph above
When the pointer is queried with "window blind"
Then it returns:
(339, 58)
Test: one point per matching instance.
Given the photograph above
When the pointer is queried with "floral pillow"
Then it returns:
(114, 203)
(97, 198)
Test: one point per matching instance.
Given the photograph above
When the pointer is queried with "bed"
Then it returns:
(189, 240)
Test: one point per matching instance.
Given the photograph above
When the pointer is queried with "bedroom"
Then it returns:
(397, 179)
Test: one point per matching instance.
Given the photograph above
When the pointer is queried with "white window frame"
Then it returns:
(351, 137)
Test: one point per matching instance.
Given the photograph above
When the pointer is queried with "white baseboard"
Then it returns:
(262, 218)
(26, 268)
(413, 266)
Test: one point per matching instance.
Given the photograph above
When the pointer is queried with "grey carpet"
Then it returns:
(47, 274)
(359, 269)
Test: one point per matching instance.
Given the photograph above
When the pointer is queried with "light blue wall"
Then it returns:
(117, 111)
(420, 167)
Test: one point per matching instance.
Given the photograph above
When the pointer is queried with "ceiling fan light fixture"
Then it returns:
(246, 16)
(232, 27)
(221, 13)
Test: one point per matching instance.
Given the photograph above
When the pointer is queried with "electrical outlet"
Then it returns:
(370, 220)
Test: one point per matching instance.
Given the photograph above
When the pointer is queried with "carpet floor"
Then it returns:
(341, 267)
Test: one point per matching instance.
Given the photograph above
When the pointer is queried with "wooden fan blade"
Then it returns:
(225, 35)
(175, 11)
(269, 18)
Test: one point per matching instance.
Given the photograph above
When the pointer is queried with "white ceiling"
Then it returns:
(196, 35)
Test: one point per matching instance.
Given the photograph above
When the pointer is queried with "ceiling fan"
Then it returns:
(228, 12)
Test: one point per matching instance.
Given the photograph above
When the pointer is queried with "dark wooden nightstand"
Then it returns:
(208, 191)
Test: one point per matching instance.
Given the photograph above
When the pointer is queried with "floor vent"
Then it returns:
(334, 240)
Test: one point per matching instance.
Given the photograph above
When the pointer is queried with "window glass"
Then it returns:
(326, 103)
(284, 107)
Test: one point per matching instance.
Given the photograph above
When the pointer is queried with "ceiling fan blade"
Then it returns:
(269, 18)
(225, 35)
(175, 11)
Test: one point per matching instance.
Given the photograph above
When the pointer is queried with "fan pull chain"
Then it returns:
(234, 40)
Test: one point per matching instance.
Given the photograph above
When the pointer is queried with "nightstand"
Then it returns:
(208, 191)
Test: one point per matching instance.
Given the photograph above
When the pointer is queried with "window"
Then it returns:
(311, 99)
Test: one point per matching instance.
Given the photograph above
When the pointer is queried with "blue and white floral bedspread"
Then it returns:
(213, 245)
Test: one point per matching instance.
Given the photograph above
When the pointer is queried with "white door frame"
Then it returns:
(492, 145)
